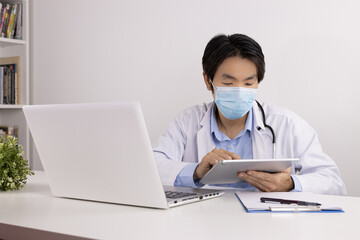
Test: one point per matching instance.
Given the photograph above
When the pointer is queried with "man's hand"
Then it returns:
(269, 182)
(210, 159)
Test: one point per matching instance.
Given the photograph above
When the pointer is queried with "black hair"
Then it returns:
(222, 47)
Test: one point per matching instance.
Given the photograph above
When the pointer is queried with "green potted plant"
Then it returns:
(14, 169)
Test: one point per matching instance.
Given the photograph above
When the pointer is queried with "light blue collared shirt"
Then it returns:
(241, 145)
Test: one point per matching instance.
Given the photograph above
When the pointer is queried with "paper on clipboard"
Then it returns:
(251, 202)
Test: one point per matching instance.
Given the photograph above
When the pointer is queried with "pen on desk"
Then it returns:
(288, 201)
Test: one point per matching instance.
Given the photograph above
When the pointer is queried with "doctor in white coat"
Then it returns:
(232, 127)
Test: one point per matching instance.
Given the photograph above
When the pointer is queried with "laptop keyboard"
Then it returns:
(172, 194)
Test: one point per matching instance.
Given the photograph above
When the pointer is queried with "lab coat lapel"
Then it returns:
(205, 142)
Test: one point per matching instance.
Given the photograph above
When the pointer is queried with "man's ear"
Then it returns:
(207, 82)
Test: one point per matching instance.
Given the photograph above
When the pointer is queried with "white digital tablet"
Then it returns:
(225, 171)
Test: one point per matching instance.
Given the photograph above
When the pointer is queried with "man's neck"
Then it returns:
(230, 128)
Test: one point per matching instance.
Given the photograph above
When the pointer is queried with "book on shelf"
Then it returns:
(13, 13)
(6, 131)
(10, 72)
(5, 20)
(2, 19)
(18, 28)
(1, 13)
(11, 20)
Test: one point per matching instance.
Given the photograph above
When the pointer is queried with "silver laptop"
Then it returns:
(102, 152)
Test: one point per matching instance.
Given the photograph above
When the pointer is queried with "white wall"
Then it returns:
(150, 51)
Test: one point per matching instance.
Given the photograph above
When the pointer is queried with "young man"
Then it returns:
(232, 127)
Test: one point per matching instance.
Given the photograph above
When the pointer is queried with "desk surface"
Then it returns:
(221, 218)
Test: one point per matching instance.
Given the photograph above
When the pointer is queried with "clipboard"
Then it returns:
(294, 208)
(252, 204)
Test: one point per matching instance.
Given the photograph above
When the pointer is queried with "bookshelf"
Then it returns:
(12, 114)
(9, 42)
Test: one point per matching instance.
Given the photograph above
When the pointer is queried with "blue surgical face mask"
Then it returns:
(234, 102)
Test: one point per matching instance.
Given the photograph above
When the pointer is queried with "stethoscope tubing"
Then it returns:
(269, 127)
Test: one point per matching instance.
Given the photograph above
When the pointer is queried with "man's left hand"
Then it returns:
(269, 182)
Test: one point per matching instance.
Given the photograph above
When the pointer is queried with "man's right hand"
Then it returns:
(212, 158)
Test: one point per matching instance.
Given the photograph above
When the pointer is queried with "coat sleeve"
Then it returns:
(169, 151)
(316, 171)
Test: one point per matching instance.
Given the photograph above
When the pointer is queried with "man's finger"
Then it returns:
(225, 156)
(259, 183)
(256, 184)
(261, 175)
(231, 154)
(234, 155)
(211, 161)
(222, 153)
(288, 170)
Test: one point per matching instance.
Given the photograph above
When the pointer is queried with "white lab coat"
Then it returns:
(188, 140)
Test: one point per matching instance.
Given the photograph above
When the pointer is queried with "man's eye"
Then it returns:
(227, 84)
(248, 84)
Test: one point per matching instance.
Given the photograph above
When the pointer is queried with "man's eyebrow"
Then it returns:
(225, 75)
(251, 77)
(228, 76)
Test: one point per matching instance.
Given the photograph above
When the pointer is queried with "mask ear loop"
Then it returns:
(212, 84)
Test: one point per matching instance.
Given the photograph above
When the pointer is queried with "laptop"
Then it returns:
(102, 152)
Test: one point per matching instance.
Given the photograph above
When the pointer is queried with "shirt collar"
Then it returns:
(214, 129)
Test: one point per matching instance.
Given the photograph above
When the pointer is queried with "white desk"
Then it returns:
(34, 208)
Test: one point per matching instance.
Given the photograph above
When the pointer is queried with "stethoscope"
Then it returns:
(267, 126)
